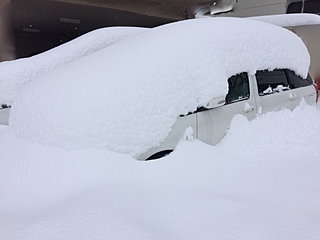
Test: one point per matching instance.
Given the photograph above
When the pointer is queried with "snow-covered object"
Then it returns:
(15, 74)
(129, 102)
(290, 20)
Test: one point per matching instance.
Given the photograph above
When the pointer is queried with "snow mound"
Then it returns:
(276, 134)
(15, 74)
(128, 102)
(261, 182)
(290, 20)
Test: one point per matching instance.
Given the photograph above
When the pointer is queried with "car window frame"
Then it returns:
(240, 99)
(308, 80)
(286, 88)
(203, 108)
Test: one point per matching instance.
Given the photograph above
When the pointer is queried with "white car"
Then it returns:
(248, 95)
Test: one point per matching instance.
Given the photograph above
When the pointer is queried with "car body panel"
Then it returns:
(4, 116)
(276, 101)
(213, 124)
(308, 93)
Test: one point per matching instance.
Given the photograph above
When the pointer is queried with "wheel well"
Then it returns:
(160, 154)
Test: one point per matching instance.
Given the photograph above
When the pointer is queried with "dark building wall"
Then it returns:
(40, 25)
(7, 48)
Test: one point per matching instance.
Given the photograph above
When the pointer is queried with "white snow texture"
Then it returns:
(15, 74)
(261, 182)
(127, 96)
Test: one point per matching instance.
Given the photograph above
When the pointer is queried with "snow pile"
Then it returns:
(275, 128)
(129, 102)
(261, 182)
(290, 20)
(15, 74)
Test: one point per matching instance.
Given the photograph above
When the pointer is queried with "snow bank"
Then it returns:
(290, 20)
(129, 102)
(15, 74)
(275, 129)
(261, 182)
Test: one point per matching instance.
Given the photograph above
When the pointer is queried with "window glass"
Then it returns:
(271, 82)
(310, 6)
(238, 88)
(297, 82)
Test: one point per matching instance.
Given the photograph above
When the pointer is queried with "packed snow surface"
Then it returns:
(290, 20)
(126, 97)
(15, 74)
(261, 182)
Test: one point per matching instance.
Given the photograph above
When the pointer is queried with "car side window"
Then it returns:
(238, 88)
(297, 81)
(270, 82)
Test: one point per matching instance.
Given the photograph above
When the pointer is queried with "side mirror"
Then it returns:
(216, 102)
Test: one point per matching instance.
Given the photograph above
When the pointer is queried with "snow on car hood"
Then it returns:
(126, 97)
(15, 74)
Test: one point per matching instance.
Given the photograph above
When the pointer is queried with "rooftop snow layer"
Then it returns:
(15, 74)
(126, 97)
(290, 20)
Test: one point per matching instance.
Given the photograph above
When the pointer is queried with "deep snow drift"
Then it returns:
(129, 102)
(15, 74)
(261, 182)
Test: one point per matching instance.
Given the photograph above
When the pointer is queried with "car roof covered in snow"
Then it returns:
(17, 73)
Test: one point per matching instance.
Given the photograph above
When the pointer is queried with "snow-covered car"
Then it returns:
(248, 95)
(143, 94)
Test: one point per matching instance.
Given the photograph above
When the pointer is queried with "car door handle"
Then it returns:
(292, 97)
(248, 108)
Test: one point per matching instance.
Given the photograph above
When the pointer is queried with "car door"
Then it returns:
(213, 123)
(274, 91)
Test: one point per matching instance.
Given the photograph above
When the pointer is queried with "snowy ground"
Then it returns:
(261, 182)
